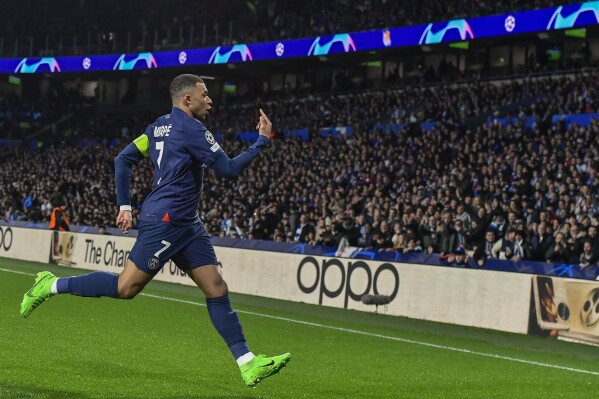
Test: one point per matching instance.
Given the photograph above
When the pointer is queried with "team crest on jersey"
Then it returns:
(153, 263)
(209, 137)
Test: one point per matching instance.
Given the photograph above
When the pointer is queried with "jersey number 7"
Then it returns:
(160, 148)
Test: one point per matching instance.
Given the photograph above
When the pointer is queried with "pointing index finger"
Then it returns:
(264, 116)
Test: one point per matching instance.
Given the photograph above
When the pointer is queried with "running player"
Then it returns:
(180, 148)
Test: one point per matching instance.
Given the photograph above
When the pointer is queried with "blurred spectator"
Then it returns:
(10, 215)
(522, 248)
(485, 250)
(559, 251)
(587, 257)
(58, 219)
(506, 246)
(304, 230)
(458, 258)
(542, 241)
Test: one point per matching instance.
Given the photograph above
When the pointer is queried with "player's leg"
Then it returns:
(132, 281)
(125, 285)
(149, 252)
(96, 284)
(209, 279)
(222, 315)
(225, 320)
(198, 260)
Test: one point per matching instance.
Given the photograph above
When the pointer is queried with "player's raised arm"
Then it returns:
(229, 168)
(132, 154)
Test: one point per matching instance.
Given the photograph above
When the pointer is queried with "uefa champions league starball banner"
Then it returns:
(563, 17)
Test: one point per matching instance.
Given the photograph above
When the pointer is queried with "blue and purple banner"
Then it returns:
(563, 17)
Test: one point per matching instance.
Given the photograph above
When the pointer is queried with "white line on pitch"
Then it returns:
(409, 341)
(349, 330)
(18, 272)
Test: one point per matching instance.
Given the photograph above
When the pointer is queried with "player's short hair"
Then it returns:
(182, 84)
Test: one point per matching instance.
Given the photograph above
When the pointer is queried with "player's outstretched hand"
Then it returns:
(123, 221)
(264, 125)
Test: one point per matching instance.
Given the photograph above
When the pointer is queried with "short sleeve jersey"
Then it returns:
(180, 148)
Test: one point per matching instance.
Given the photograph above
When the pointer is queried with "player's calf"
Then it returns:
(129, 291)
(132, 281)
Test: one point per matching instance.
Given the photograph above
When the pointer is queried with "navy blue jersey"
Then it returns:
(180, 148)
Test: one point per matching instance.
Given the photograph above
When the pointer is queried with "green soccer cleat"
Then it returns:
(40, 291)
(261, 367)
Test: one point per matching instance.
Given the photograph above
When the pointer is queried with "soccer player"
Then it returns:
(180, 148)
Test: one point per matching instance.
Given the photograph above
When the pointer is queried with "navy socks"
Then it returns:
(226, 322)
(223, 317)
(94, 284)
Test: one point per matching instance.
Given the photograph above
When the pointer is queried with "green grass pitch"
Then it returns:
(164, 346)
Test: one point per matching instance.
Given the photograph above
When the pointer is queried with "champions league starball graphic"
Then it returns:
(525, 22)
(460, 25)
(561, 21)
(280, 49)
(126, 63)
(46, 64)
(182, 57)
(510, 23)
(319, 48)
(242, 50)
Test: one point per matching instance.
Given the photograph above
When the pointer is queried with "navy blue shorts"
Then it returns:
(157, 242)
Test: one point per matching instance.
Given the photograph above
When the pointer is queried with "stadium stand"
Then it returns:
(435, 160)
(97, 27)
(412, 190)
(453, 103)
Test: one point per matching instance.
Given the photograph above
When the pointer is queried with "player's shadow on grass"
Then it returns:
(9, 391)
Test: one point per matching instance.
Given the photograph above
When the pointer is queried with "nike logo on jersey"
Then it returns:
(160, 131)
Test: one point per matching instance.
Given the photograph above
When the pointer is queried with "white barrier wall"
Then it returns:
(107, 253)
(488, 299)
(25, 244)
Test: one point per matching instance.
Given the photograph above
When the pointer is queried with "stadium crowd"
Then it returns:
(158, 25)
(451, 103)
(397, 102)
(498, 192)
(494, 191)
(390, 101)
